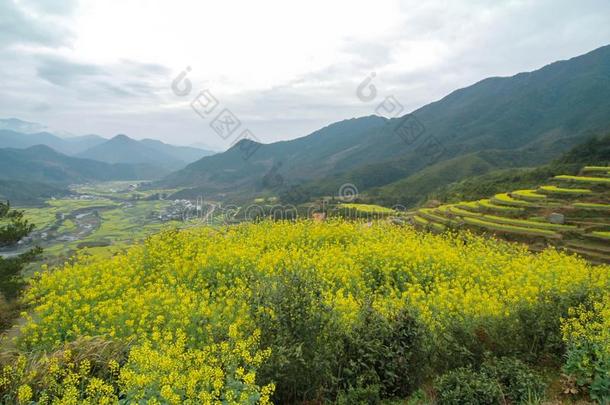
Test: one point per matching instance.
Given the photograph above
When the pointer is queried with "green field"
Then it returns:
(367, 208)
(125, 190)
(562, 191)
(103, 219)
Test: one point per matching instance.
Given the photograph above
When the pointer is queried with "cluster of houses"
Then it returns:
(181, 210)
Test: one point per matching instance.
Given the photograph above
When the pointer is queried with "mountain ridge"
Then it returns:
(73, 145)
(537, 115)
(167, 156)
(123, 149)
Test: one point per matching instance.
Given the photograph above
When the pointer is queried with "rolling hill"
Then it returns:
(594, 151)
(524, 120)
(42, 164)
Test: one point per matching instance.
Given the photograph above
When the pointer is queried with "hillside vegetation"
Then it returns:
(24, 193)
(570, 211)
(594, 151)
(306, 311)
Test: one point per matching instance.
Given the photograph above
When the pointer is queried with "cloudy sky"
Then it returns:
(283, 68)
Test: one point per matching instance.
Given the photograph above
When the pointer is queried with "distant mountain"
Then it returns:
(13, 139)
(44, 165)
(123, 149)
(186, 154)
(526, 120)
(77, 144)
(15, 133)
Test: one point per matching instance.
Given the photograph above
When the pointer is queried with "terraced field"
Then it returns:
(569, 212)
(368, 211)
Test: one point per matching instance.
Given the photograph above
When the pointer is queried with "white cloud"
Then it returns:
(285, 68)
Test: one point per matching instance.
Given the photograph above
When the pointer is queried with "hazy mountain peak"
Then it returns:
(122, 138)
(243, 143)
(41, 148)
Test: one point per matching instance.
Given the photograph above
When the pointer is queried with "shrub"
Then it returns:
(387, 353)
(498, 381)
(8, 312)
(531, 332)
(314, 358)
(519, 382)
(299, 329)
(537, 335)
(466, 386)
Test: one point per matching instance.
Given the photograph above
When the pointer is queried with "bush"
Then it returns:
(316, 358)
(466, 386)
(498, 381)
(8, 311)
(519, 382)
(299, 329)
(385, 353)
(532, 333)
(538, 328)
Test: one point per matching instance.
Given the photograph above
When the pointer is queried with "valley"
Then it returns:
(102, 217)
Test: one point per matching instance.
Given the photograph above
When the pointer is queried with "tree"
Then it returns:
(13, 227)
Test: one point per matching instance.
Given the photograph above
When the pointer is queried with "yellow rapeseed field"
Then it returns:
(184, 305)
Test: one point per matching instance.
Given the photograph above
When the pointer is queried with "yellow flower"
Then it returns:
(185, 304)
(24, 394)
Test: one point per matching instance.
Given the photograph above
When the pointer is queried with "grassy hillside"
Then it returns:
(416, 188)
(481, 176)
(594, 151)
(312, 312)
